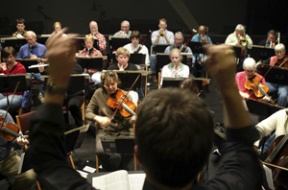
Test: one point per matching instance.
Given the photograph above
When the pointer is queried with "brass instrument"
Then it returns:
(278, 37)
(242, 41)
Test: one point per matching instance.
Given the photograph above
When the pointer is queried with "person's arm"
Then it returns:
(102, 42)
(155, 37)
(47, 127)
(249, 40)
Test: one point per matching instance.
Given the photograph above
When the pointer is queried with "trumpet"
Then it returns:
(242, 40)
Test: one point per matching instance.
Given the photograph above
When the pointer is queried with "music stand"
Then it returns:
(137, 58)
(164, 59)
(16, 43)
(9, 82)
(238, 51)
(172, 82)
(260, 53)
(261, 108)
(80, 44)
(276, 74)
(196, 47)
(159, 48)
(90, 62)
(116, 42)
(27, 63)
(43, 38)
(127, 78)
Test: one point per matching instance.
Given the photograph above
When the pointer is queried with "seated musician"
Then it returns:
(10, 66)
(9, 159)
(276, 122)
(281, 60)
(271, 40)
(57, 26)
(94, 31)
(90, 51)
(122, 56)
(237, 36)
(247, 76)
(178, 43)
(109, 119)
(20, 25)
(175, 68)
(124, 31)
(136, 47)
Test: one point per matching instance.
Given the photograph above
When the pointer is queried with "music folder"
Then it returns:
(137, 58)
(159, 48)
(116, 42)
(90, 62)
(80, 43)
(196, 47)
(172, 82)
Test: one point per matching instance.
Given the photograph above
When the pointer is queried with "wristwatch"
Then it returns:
(52, 89)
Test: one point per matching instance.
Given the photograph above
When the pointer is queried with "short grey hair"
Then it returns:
(125, 22)
(31, 33)
(279, 47)
(240, 27)
(249, 64)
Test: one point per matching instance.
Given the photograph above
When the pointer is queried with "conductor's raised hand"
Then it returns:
(221, 64)
(61, 56)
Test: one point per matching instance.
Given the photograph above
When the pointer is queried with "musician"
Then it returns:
(156, 137)
(10, 161)
(98, 111)
(249, 66)
(162, 36)
(239, 34)
(125, 31)
(277, 122)
(175, 68)
(136, 47)
(93, 26)
(122, 56)
(281, 60)
(271, 40)
(90, 51)
(178, 43)
(57, 26)
(20, 25)
(10, 66)
(202, 36)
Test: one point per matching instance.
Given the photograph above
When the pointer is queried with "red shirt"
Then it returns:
(17, 69)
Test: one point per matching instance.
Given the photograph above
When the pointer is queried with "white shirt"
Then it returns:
(171, 71)
(232, 39)
(143, 50)
(162, 39)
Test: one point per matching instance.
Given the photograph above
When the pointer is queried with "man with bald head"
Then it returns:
(202, 36)
(93, 26)
(125, 30)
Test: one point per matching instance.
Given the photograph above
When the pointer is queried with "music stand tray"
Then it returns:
(159, 48)
(80, 44)
(261, 108)
(90, 62)
(172, 82)
(260, 53)
(9, 82)
(16, 43)
(116, 42)
(137, 58)
(196, 47)
(119, 144)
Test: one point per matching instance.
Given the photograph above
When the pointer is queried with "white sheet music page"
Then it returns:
(115, 180)
(136, 181)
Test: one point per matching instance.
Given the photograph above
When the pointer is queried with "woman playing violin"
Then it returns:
(10, 161)
(100, 112)
(247, 76)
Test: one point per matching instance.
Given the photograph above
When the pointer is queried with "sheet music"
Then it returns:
(38, 65)
(136, 181)
(116, 180)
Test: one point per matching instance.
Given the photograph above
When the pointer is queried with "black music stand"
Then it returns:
(238, 51)
(27, 63)
(260, 53)
(42, 39)
(164, 59)
(127, 80)
(80, 44)
(90, 62)
(261, 108)
(120, 144)
(277, 75)
(16, 43)
(159, 48)
(116, 42)
(196, 47)
(135, 58)
(9, 82)
(172, 82)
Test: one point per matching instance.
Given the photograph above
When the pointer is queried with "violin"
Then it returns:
(9, 131)
(119, 101)
(254, 84)
(283, 63)
(278, 161)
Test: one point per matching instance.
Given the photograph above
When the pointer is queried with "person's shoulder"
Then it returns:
(132, 66)
(114, 66)
(41, 45)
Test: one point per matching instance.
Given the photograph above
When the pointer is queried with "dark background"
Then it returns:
(220, 15)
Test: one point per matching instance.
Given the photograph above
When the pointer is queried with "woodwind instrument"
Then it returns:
(185, 45)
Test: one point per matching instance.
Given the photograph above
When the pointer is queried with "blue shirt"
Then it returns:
(196, 38)
(39, 50)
